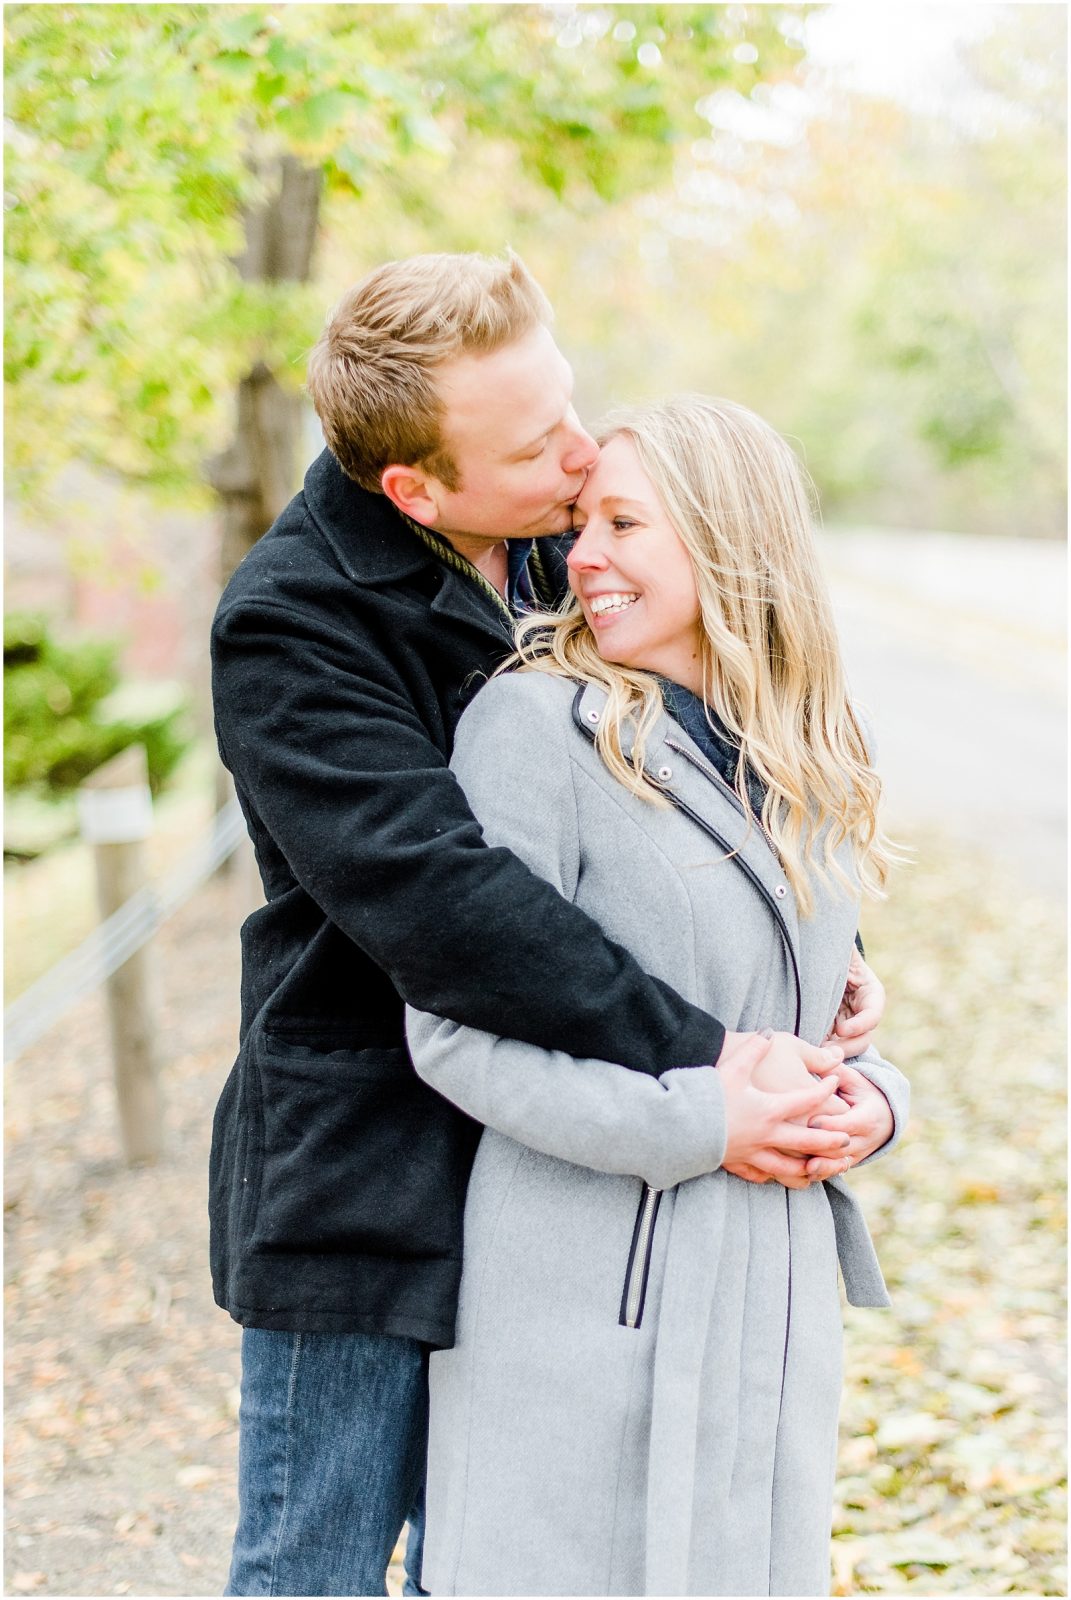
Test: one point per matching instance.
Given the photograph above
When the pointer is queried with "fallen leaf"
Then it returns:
(917, 1546)
(918, 1428)
(197, 1477)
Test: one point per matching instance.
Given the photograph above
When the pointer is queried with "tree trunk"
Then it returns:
(256, 475)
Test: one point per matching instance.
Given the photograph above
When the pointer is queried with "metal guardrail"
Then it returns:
(114, 941)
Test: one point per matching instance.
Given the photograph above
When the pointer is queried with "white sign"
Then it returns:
(115, 816)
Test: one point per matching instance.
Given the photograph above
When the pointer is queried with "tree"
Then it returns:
(886, 285)
(167, 163)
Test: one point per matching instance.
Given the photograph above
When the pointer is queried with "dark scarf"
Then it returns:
(703, 725)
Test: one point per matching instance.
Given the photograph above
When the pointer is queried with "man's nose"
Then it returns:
(581, 451)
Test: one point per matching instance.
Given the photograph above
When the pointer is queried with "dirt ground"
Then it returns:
(122, 1374)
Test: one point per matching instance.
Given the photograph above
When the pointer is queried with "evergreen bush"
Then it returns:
(58, 723)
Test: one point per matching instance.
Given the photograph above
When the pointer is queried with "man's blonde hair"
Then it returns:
(771, 666)
(371, 374)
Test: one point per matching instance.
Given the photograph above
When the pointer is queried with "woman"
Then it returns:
(643, 1394)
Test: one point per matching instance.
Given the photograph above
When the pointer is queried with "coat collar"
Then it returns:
(375, 547)
(367, 535)
(676, 764)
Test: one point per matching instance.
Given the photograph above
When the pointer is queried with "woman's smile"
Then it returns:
(631, 572)
(606, 608)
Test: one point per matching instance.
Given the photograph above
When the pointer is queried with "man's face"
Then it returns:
(520, 452)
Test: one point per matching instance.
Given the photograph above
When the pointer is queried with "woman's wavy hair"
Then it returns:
(741, 504)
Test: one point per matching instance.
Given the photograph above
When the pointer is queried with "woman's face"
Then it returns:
(632, 574)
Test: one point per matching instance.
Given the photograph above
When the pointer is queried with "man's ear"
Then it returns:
(413, 492)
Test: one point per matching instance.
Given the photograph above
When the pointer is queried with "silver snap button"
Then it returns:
(780, 891)
(593, 716)
(665, 773)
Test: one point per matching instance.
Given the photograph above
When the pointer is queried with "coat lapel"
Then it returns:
(459, 600)
(376, 547)
(694, 781)
(675, 762)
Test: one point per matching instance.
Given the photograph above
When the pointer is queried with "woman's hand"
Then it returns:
(861, 1009)
(782, 1070)
(868, 1122)
(762, 1125)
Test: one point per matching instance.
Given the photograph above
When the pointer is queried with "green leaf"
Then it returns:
(285, 56)
(322, 112)
(235, 64)
(238, 28)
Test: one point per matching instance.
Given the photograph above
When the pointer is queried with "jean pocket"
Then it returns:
(356, 1151)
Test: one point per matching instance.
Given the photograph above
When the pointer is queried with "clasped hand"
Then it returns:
(860, 1010)
(786, 1124)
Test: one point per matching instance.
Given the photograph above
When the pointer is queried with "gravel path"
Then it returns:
(122, 1375)
(958, 648)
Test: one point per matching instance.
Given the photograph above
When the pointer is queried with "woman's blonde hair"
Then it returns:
(771, 668)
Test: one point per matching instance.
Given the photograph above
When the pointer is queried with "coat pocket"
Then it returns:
(638, 1270)
(228, 1175)
(359, 1156)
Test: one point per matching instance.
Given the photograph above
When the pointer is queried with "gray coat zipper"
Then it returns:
(752, 875)
(709, 770)
(639, 1259)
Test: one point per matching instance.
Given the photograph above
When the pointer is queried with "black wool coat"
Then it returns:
(343, 653)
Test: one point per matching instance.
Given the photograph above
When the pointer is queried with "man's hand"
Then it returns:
(861, 1009)
(868, 1121)
(763, 1126)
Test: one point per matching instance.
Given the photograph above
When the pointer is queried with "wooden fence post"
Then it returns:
(115, 810)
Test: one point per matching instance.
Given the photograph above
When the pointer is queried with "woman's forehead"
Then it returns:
(617, 476)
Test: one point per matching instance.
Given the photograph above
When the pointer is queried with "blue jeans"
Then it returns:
(332, 1442)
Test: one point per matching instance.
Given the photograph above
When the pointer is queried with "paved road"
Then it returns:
(957, 646)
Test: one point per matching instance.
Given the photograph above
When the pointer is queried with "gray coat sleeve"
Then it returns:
(512, 759)
(896, 1089)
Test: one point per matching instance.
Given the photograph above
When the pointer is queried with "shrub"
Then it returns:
(64, 712)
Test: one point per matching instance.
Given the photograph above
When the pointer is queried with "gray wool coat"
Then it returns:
(643, 1393)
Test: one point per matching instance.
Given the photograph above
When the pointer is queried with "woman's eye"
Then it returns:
(623, 524)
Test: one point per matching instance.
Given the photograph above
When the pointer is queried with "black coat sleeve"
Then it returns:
(320, 732)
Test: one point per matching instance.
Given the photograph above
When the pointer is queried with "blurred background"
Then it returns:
(851, 217)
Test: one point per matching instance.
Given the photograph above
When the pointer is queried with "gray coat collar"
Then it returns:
(676, 764)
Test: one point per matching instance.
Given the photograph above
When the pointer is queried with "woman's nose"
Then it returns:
(586, 554)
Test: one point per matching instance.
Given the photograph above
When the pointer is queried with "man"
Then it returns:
(344, 650)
